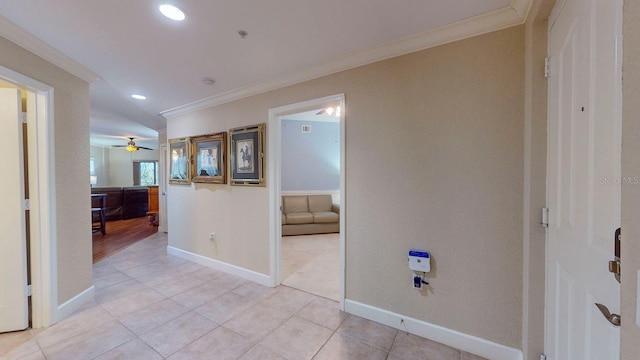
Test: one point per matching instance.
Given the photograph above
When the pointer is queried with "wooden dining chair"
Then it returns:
(98, 222)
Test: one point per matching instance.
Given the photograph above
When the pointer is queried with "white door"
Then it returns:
(585, 90)
(13, 252)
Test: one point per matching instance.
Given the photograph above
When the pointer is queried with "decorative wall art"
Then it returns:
(179, 161)
(209, 158)
(247, 155)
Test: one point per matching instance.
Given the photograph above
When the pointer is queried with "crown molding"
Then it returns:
(24, 39)
(521, 7)
(512, 15)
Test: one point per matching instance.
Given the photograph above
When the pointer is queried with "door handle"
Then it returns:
(612, 318)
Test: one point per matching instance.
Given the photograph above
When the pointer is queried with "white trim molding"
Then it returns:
(512, 15)
(74, 304)
(456, 339)
(251, 275)
(41, 140)
(17, 35)
(275, 189)
(310, 192)
(522, 8)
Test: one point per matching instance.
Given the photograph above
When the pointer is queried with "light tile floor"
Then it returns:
(150, 305)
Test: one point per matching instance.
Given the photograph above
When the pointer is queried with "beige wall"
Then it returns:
(630, 346)
(434, 160)
(101, 163)
(121, 165)
(114, 167)
(71, 106)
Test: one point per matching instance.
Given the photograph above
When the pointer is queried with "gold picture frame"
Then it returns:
(209, 153)
(180, 161)
(247, 155)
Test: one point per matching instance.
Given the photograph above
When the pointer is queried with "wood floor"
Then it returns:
(120, 234)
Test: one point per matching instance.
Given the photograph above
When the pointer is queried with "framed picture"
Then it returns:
(179, 161)
(247, 155)
(209, 158)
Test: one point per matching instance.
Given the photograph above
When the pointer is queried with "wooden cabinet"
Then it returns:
(153, 205)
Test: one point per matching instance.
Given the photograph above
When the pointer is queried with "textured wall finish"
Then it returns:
(630, 246)
(71, 106)
(446, 127)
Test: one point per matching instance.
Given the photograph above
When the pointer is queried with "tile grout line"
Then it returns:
(393, 343)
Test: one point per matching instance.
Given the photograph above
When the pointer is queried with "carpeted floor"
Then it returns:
(311, 263)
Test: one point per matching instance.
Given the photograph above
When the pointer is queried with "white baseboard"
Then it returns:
(74, 304)
(310, 192)
(456, 339)
(257, 277)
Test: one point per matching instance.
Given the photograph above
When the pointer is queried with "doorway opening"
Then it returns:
(310, 188)
(307, 181)
(39, 221)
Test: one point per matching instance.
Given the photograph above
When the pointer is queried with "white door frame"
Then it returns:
(42, 202)
(274, 149)
(162, 203)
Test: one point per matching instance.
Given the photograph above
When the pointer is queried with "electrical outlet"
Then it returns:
(212, 237)
(417, 281)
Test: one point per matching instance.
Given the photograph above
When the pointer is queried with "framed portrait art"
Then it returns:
(247, 155)
(209, 158)
(179, 161)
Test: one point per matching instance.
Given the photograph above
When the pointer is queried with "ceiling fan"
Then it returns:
(131, 146)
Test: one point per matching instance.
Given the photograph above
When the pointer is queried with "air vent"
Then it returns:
(306, 129)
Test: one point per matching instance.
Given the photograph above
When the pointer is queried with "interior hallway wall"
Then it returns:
(71, 121)
(448, 178)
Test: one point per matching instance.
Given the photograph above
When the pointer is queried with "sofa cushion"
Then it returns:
(284, 219)
(294, 204)
(319, 203)
(135, 202)
(299, 218)
(321, 217)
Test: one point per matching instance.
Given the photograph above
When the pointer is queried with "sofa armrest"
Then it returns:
(335, 208)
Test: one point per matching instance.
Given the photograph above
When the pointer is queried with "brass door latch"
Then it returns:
(614, 265)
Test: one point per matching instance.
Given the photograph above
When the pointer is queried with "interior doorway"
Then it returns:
(311, 256)
(39, 221)
(584, 181)
(14, 307)
(310, 188)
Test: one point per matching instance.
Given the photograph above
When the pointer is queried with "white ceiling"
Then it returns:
(132, 48)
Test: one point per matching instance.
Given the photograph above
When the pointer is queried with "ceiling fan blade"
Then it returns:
(118, 145)
(145, 148)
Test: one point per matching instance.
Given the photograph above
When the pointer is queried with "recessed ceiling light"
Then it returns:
(138, 97)
(172, 12)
